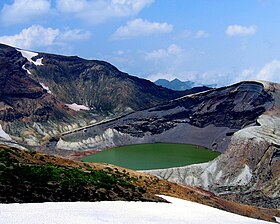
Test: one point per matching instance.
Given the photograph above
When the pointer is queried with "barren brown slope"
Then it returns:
(68, 180)
(35, 100)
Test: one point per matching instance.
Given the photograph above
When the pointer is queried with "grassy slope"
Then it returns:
(33, 177)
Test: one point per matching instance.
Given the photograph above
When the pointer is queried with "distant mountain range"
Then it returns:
(179, 85)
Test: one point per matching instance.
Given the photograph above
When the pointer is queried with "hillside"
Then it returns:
(43, 95)
(28, 176)
(248, 171)
(239, 120)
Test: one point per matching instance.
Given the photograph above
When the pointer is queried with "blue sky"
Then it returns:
(217, 41)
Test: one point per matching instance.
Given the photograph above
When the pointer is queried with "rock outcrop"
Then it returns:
(248, 171)
(208, 119)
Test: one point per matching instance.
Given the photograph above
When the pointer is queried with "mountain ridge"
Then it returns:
(44, 95)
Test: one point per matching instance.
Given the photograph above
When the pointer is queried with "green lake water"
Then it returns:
(153, 156)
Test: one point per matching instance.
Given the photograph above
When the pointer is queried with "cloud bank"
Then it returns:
(98, 11)
(238, 30)
(140, 27)
(21, 11)
(89, 11)
(269, 72)
(39, 36)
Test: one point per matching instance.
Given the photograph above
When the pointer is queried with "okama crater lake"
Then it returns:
(153, 156)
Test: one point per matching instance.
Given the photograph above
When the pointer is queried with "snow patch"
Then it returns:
(46, 87)
(77, 107)
(29, 55)
(4, 135)
(39, 61)
(178, 211)
(25, 69)
(277, 219)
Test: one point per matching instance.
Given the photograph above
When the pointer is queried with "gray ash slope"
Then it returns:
(33, 97)
(249, 170)
(207, 119)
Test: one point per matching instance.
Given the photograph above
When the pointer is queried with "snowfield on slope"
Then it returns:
(77, 107)
(29, 55)
(178, 211)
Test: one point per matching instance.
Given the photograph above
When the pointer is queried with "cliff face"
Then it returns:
(248, 171)
(208, 119)
(23, 100)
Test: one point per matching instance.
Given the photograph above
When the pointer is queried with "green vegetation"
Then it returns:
(25, 177)
(153, 156)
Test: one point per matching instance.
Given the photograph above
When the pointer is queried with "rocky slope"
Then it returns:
(241, 120)
(249, 169)
(28, 176)
(208, 119)
(44, 95)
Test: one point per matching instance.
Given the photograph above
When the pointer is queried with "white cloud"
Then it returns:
(21, 11)
(97, 11)
(269, 72)
(188, 34)
(72, 6)
(38, 36)
(155, 77)
(140, 27)
(238, 30)
(200, 34)
(172, 50)
(33, 36)
(91, 11)
(74, 34)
